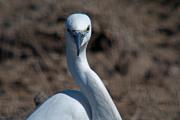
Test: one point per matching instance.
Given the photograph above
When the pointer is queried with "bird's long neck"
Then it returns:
(91, 86)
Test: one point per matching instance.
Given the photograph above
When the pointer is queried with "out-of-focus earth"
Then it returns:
(135, 49)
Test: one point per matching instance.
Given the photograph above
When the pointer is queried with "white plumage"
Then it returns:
(93, 101)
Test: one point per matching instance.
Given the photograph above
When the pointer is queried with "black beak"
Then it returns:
(78, 40)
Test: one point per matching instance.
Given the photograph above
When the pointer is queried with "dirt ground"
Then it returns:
(135, 49)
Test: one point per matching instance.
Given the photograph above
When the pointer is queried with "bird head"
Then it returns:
(78, 28)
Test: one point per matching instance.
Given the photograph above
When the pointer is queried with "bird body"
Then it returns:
(93, 101)
(67, 105)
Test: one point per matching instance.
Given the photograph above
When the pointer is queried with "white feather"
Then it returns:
(93, 101)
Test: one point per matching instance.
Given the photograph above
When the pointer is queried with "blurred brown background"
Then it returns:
(135, 49)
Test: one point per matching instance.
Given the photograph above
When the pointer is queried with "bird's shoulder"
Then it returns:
(66, 105)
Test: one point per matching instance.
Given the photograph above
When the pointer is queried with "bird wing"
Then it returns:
(67, 105)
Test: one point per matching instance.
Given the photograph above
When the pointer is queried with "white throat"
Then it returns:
(91, 86)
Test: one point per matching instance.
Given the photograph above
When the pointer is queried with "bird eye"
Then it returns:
(88, 28)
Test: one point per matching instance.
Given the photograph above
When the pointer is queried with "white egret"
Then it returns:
(93, 101)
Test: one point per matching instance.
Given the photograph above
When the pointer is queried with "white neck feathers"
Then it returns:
(90, 84)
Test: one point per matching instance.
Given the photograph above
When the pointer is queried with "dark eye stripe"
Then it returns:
(72, 31)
